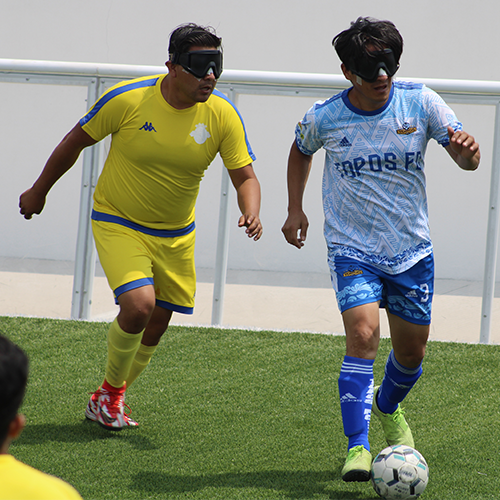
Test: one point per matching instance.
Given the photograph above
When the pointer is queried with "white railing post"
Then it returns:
(85, 256)
(491, 237)
(222, 251)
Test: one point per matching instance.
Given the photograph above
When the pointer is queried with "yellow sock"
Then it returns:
(122, 347)
(142, 358)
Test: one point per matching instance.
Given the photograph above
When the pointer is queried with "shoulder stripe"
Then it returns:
(321, 104)
(223, 96)
(151, 82)
(408, 85)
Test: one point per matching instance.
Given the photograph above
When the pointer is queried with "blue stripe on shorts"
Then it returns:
(162, 233)
(161, 303)
(132, 286)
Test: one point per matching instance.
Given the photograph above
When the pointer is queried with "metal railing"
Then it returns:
(97, 77)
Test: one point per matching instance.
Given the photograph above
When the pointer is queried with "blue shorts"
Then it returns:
(407, 295)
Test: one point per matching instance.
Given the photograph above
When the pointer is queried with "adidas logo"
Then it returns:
(348, 398)
(344, 143)
(148, 127)
(412, 294)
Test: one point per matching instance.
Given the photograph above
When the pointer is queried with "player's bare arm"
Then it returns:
(248, 191)
(295, 227)
(464, 149)
(60, 161)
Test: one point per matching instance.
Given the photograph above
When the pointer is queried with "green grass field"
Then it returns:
(234, 414)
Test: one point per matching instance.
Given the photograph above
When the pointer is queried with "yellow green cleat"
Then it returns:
(396, 429)
(357, 465)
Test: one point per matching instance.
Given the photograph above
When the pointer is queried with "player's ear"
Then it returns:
(345, 71)
(16, 426)
(170, 67)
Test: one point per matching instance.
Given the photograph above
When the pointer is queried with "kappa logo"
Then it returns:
(148, 127)
(344, 143)
(200, 134)
(406, 129)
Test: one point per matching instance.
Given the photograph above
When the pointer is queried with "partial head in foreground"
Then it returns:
(13, 380)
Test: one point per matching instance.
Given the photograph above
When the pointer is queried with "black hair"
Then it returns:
(13, 380)
(351, 44)
(189, 35)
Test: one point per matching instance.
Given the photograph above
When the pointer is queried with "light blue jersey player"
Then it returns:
(375, 135)
(375, 165)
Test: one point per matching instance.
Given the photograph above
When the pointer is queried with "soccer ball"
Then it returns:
(399, 473)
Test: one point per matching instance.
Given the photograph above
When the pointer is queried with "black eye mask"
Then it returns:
(200, 62)
(368, 67)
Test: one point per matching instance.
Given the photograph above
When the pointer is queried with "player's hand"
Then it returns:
(252, 224)
(30, 202)
(295, 229)
(462, 143)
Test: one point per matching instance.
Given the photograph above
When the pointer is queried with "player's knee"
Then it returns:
(411, 359)
(136, 310)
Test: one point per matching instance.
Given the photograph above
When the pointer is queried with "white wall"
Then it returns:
(442, 40)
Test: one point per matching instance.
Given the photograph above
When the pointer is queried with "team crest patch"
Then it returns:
(200, 134)
(406, 129)
(352, 271)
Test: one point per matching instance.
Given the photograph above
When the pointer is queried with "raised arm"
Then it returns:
(295, 227)
(248, 191)
(60, 161)
(463, 149)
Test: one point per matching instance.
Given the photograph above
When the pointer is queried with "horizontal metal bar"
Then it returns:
(46, 79)
(310, 80)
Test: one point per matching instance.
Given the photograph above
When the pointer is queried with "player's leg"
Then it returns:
(125, 258)
(409, 299)
(175, 286)
(356, 387)
(155, 329)
(358, 291)
(404, 364)
(126, 332)
(106, 406)
(402, 370)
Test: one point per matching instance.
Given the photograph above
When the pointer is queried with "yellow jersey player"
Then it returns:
(166, 130)
(19, 481)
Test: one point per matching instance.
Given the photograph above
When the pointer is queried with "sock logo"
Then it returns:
(369, 394)
(349, 398)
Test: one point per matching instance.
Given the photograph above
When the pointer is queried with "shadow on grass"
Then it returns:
(82, 433)
(293, 484)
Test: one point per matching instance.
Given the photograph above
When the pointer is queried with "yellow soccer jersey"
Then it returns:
(19, 481)
(159, 154)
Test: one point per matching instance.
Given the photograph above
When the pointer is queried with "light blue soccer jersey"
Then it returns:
(374, 195)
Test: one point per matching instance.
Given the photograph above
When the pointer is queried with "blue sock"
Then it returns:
(396, 384)
(356, 398)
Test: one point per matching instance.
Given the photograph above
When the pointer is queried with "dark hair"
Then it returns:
(13, 380)
(189, 35)
(351, 43)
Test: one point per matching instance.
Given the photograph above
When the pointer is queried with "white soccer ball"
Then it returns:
(399, 473)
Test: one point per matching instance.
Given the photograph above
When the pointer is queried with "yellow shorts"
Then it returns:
(132, 259)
